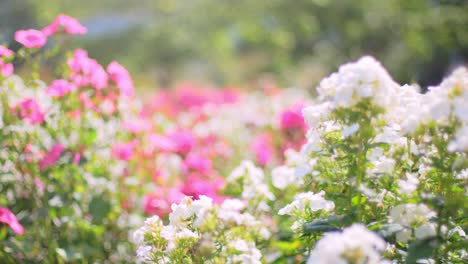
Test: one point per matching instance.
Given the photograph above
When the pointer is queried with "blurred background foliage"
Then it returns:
(237, 42)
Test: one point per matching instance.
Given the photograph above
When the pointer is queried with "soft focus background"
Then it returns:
(245, 42)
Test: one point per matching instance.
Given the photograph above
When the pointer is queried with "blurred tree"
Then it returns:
(235, 41)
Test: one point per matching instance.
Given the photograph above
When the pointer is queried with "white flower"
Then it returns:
(181, 212)
(355, 244)
(233, 204)
(425, 231)
(362, 79)
(411, 216)
(409, 185)
(350, 130)
(252, 180)
(144, 253)
(381, 164)
(138, 236)
(308, 200)
(460, 143)
(284, 176)
(463, 175)
(249, 253)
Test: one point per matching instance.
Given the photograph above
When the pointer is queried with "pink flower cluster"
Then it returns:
(199, 156)
(30, 110)
(33, 38)
(69, 24)
(6, 68)
(52, 156)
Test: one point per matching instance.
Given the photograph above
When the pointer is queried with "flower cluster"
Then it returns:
(55, 154)
(370, 171)
(388, 157)
(199, 231)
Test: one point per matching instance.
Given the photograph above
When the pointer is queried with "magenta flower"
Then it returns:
(196, 185)
(292, 119)
(30, 110)
(31, 38)
(121, 77)
(159, 202)
(162, 143)
(184, 141)
(70, 25)
(123, 151)
(52, 156)
(5, 52)
(137, 126)
(86, 71)
(60, 88)
(6, 69)
(263, 148)
(7, 217)
(198, 163)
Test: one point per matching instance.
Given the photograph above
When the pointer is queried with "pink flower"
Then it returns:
(195, 186)
(77, 158)
(60, 88)
(31, 38)
(5, 52)
(123, 151)
(262, 146)
(137, 126)
(39, 184)
(7, 217)
(198, 163)
(86, 101)
(52, 156)
(184, 141)
(86, 71)
(30, 110)
(292, 119)
(121, 77)
(70, 24)
(159, 203)
(6, 69)
(162, 143)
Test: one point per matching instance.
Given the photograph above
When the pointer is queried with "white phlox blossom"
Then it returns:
(413, 217)
(409, 185)
(355, 244)
(448, 100)
(365, 78)
(200, 227)
(308, 200)
(381, 164)
(247, 252)
(253, 181)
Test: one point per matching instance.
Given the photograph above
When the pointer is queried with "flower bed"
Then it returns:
(369, 171)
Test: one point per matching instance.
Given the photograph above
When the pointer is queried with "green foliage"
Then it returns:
(234, 42)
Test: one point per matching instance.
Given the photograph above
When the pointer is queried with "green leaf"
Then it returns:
(421, 249)
(90, 137)
(323, 224)
(99, 209)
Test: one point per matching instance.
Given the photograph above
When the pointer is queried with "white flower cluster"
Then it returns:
(354, 244)
(304, 204)
(200, 228)
(413, 217)
(365, 78)
(253, 183)
(293, 172)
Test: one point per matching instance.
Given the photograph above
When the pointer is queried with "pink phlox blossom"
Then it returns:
(69, 24)
(7, 217)
(31, 38)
